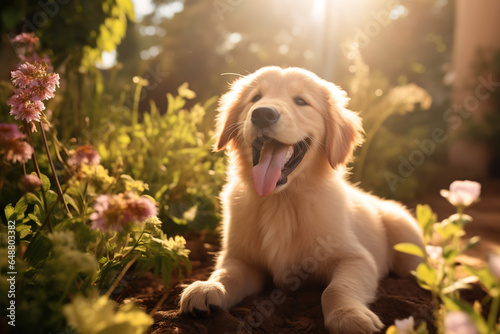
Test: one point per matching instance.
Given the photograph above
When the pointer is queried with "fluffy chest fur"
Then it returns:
(288, 238)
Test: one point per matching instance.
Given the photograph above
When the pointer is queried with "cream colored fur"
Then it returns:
(315, 228)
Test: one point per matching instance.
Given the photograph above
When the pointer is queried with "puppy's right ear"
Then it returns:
(229, 110)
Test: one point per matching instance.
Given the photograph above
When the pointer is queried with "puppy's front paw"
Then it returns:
(352, 320)
(202, 297)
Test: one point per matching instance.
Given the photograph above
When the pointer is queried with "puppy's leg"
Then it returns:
(344, 301)
(401, 227)
(227, 286)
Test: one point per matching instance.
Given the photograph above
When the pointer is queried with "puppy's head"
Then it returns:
(282, 122)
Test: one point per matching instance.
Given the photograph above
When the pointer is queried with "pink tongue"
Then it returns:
(267, 172)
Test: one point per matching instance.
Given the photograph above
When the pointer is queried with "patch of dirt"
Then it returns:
(300, 312)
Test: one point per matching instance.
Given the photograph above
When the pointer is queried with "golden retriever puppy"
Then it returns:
(289, 213)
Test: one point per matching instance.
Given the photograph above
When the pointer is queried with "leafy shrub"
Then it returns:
(171, 153)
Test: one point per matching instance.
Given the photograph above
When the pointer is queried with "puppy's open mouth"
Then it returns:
(273, 162)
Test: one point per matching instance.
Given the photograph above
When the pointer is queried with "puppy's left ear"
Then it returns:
(344, 131)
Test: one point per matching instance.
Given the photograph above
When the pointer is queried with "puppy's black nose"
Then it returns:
(264, 117)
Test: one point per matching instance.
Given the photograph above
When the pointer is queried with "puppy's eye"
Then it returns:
(256, 98)
(300, 101)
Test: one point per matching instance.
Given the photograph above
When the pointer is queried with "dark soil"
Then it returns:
(300, 312)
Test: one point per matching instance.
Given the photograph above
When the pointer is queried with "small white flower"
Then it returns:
(434, 252)
(458, 322)
(405, 326)
(494, 262)
(462, 193)
(435, 256)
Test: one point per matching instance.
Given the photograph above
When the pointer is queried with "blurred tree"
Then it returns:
(74, 34)
(211, 38)
(409, 41)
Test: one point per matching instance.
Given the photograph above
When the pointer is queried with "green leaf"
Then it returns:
(410, 248)
(21, 206)
(23, 230)
(33, 199)
(45, 182)
(35, 219)
(426, 276)
(179, 221)
(447, 229)
(185, 92)
(9, 211)
(426, 218)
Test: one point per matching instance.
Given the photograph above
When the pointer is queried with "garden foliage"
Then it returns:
(438, 271)
(170, 152)
(76, 237)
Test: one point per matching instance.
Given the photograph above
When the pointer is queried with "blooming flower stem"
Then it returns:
(37, 169)
(58, 185)
(460, 210)
(122, 273)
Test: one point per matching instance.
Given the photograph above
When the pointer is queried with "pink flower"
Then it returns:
(462, 193)
(12, 147)
(24, 108)
(85, 154)
(25, 38)
(34, 84)
(31, 182)
(10, 131)
(33, 77)
(140, 208)
(16, 150)
(26, 45)
(405, 326)
(116, 212)
(458, 322)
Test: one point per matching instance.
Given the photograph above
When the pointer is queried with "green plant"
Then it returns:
(76, 259)
(63, 247)
(171, 153)
(437, 272)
